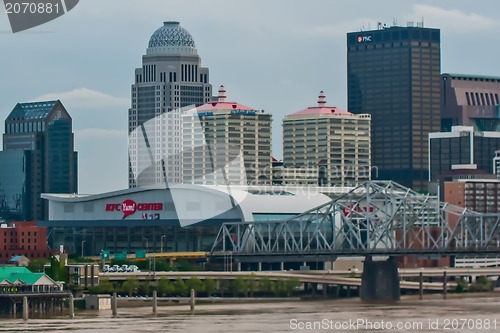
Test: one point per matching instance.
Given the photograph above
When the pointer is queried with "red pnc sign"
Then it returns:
(128, 207)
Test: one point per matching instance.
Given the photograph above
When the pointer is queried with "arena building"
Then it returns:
(182, 218)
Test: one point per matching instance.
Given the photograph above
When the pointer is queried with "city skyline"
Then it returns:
(276, 57)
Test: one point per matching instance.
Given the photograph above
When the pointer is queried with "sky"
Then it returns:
(273, 55)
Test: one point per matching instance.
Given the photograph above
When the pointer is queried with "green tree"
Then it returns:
(267, 286)
(196, 284)
(292, 286)
(461, 286)
(165, 287)
(163, 265)
(180, 287)
(105, 287)
(238, 286)
(210, 286)
(144, 288)
(184, 266)
(281, 287)
(253, 284)
(36, 266)
(131, 285)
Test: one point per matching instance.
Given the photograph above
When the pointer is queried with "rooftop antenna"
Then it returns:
(379, 25)
(394, 21)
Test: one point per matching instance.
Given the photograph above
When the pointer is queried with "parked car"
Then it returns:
(133, 268)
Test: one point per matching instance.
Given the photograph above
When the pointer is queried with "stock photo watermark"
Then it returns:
(25, 14)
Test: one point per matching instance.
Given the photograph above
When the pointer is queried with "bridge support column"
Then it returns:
(445, 285)
(421, 285)
(259, 268)
(114, 305)
(380, 281)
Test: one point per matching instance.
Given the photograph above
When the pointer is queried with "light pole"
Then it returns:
(147, 244)
(83, 241)
(161, 243)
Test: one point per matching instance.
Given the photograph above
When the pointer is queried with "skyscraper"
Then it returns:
(171, 77)
(394, 75)
(226, 143)
(44, 129)
(334, 141)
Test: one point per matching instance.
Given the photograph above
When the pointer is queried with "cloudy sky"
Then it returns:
(272, 55)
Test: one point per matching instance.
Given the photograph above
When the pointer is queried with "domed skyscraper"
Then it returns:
(171, 77)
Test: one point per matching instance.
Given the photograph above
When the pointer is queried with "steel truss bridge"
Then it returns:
(375, 218)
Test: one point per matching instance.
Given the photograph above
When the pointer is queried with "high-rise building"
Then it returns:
(470, 100)
(394, 74)
(226, 143)
(462, 146)
(15, 185)
(171, 77)
(334, 141)
(43, 130)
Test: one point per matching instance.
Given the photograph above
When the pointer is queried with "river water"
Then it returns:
(433, 314)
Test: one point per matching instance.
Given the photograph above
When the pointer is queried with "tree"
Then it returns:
(267, 286)
(131, 285)
(165, 287)
(184, 266)
(36, 266)
(144, 288)
(180, 287)
(293, 285)
(210, 286)
(105, 287)
(196, 284)
(281, 287)
(239, 286)
(253, 284)
(163, 265)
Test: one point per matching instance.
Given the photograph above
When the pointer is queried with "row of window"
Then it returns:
(481, 98)
(26, 127)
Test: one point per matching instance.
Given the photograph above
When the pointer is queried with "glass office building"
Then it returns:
(44, 129)
(393, 73)
(14, 185)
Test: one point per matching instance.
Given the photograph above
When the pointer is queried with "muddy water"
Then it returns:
(477, 314)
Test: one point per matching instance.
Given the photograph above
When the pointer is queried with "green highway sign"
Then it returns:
(121, 255)
(105, 255)
(140, 255)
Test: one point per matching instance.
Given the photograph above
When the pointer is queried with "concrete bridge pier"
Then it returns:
(380, 280)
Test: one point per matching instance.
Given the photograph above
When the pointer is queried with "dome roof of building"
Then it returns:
(171, 38)
(322, 108)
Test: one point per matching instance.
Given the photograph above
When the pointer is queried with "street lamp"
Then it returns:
(147, 244)
(83, 241)
(161, 243)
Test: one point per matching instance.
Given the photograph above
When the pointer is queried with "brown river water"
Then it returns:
(433, 314)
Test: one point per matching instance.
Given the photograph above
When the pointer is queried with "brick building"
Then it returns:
(23, 239)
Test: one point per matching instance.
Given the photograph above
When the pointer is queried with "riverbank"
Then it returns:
(130, 302)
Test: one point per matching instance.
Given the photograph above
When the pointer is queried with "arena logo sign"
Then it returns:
(129, 207)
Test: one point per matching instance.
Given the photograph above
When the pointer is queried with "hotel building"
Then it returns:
(334, 141)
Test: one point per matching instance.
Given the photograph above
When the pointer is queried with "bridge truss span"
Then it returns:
(375, 218)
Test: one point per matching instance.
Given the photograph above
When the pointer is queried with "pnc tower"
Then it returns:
(171, 77)
(393, 73)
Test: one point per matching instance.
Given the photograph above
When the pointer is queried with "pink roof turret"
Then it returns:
(322, 108)
(321, 99)
(222, 94)
(223, 104)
